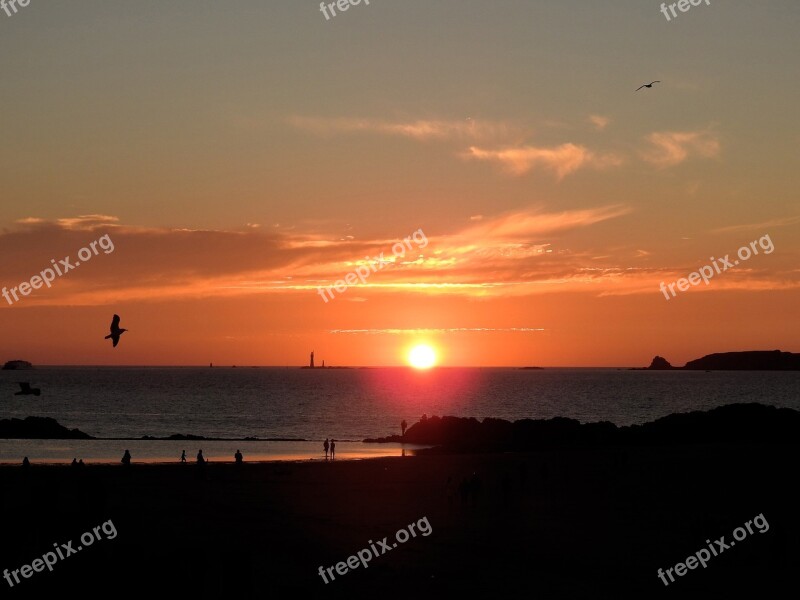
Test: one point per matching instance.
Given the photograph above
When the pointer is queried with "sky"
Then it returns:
(242, 156)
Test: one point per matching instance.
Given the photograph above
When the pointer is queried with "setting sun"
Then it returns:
(422, 356)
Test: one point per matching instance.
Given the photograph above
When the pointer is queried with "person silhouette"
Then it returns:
(403, 426)
(183, 456)
(333, 448)
(326, 445)
(75, 462)
(126, 458)
(25, 462)
(200, 459)
(238, 457)
(80, 463)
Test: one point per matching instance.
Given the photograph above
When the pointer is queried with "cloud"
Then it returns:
(519, 253)
(79, 223)
(425, 331)
(420, 129)
(523, 225)
(670, 148)
(599, 122)
(171, 263)
(493, 141)
(759, 226)
(563, 159)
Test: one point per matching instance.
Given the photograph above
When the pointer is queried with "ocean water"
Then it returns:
(348, 404)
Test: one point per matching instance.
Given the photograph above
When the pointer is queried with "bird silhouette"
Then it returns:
(25, 389)
(647, 85)
(115, 331)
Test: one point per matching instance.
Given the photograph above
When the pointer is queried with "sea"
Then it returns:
(292, 410)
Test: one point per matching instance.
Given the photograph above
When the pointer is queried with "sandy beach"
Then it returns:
(556, 524)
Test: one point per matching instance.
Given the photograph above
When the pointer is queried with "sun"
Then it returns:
(422, 356)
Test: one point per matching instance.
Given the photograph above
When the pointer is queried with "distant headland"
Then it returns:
(46, 428)
(752, 360)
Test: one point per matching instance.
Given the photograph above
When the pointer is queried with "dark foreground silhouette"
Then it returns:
(566, 521)
(734, 423)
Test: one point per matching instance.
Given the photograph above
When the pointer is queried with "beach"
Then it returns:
(552, 524)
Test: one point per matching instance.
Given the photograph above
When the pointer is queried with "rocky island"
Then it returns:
(15, 365)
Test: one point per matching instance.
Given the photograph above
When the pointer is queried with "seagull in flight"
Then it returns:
(115, 331)
(647, 85)
(25, 389)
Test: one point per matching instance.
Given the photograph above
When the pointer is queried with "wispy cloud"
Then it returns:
(599, 121)
(79, 223)
(420, 129)
(527, 224)
(759, 226)
(435, 331)
(562, 160)
(670, 148)
(493, 141)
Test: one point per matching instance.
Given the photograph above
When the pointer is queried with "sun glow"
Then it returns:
(422, 356)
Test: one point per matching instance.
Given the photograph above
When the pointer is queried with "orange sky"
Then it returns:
(239, 158)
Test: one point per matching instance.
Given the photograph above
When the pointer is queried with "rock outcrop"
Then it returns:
(733, 423)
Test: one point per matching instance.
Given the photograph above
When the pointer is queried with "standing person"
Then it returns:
(326, 445)
(238, 457)
(183, 456)
(26, 463)
(126, 458)
(200, 459)
(333, 448)
(403, 426)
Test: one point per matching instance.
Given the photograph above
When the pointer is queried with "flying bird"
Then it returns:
(25, 389)
(115, 331)
(647, 85)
